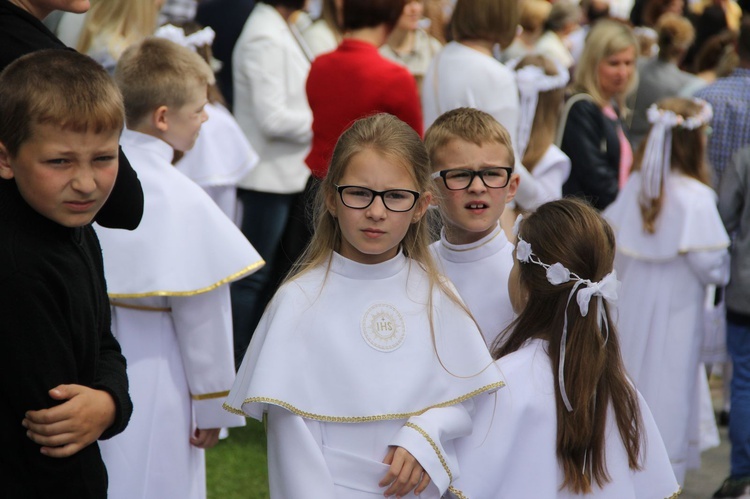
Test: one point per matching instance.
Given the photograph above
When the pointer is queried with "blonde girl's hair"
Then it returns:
(571, 232)
(492, 20)
(547, 116)
(688, 156)
(123, 22)
(394, 140)
(605, 39)
(533, 15)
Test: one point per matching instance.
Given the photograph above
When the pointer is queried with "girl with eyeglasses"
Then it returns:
(366, 362)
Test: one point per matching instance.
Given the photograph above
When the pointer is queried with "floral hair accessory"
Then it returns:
(657, 157)
(558, 274)
(193, 41)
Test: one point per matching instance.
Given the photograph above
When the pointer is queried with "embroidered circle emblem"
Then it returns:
(383, 328)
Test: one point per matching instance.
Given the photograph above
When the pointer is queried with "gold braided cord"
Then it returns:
(434, 447)
(200, 291)
(144, 308)
(359, 419)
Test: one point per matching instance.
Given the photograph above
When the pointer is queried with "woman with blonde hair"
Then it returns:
(591, 131)
(111, 26)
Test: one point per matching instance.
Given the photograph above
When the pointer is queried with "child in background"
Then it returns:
(472, 161)
(168, 284)
(569, 423)
(541, 85)
(365, 361)
(64, 384)
(222, 155)
(671, 244)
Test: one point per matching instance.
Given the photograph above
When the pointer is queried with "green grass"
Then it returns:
(236, 467)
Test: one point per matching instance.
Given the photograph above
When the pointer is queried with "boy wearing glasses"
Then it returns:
(472, 159)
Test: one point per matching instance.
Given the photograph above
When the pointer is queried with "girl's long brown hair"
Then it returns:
(688, 156)
(572, 233)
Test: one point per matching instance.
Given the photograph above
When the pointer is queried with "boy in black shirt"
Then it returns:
(64, 383)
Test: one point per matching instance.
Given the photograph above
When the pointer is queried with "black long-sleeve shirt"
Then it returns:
(54, 329)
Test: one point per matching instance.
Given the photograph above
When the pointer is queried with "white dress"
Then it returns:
(660, 319)
(512, 451)
(219, 159)
(480, 273)
(172, 316)
(345, 365)
(551, 172)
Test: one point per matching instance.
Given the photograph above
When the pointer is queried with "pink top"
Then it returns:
(626, 151)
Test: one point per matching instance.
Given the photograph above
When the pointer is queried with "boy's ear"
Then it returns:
(160, 119)
(6, 172)
(515, 180)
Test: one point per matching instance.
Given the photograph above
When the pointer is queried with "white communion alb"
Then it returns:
(172, 316)
(512, 452)
(345, 364)
(659, 318)
(480, 273)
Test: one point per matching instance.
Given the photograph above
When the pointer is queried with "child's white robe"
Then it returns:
(480, 272)
(660, 307)
(344, 363)
(512, 450)
(551, 172)
(220, 157)
(172, 316)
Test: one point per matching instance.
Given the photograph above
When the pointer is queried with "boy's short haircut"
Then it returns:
(59, 87)
(470, 125)
(158, 72)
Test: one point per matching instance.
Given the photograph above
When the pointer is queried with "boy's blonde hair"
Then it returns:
(470, 125)
(605, 39)
(58, 87)
(492, 20)
(158, 72)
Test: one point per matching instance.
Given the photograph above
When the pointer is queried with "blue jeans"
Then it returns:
(264, 218)
(738, 346)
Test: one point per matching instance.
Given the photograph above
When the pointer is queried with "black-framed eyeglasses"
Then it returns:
(459, 178)
(359, 198)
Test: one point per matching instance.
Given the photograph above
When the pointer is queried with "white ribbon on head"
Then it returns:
(657, 157)
(177, 35)
(605, 289)
(530, 81)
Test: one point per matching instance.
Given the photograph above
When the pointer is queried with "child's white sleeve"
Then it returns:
(430, 438)
(203, 324)
(711, 267)
(296, 466)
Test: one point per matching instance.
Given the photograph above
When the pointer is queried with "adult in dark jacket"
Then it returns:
(22, 32)
(592, 133)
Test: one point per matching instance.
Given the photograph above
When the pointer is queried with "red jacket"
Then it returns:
(352, 82)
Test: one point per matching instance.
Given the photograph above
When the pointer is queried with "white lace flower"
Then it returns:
(523, 251)
(558, 274)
